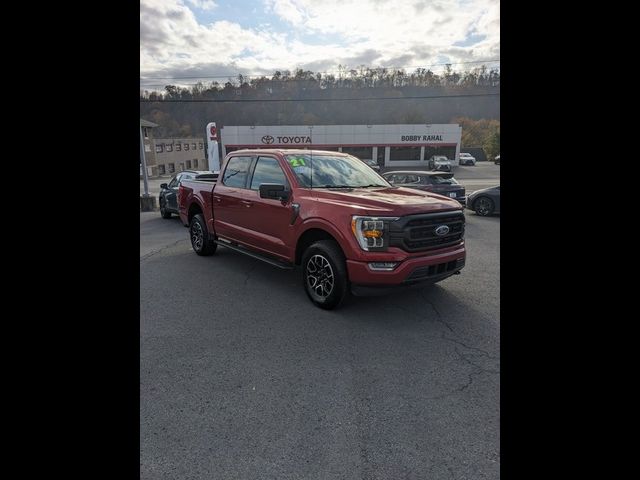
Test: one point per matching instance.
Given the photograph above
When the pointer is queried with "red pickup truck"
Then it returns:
(329, 212)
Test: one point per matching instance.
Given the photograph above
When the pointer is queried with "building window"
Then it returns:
(404, 153)
(186, 146)
(172, 168)
(159, 148)
(161, 170)
(363, 153)
(146, 133)
(193, 146)
(188, 164)
(200, 145)
(195, 163)
(169, 147)
(178, 147)
(147, 147)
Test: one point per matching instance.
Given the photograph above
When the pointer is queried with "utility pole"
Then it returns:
(147, 202)
(144, 165)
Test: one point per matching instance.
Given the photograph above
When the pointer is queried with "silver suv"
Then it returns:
(440, 162)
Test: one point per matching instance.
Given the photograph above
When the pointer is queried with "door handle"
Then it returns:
(217, 199)
(246, 203)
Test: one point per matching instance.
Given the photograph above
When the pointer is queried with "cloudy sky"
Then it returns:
(183, 41)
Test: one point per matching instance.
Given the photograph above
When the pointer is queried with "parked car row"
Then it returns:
(484, 202)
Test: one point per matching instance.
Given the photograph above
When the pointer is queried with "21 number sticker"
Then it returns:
(297, 162)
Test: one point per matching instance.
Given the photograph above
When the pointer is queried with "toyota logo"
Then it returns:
(268, 139)
(442, 230)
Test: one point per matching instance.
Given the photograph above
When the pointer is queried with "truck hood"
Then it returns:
(386, 201)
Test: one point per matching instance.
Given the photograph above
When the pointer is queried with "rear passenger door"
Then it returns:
(229, 202)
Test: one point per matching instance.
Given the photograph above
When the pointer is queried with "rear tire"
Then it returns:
(324, 274)
(199, 235)
(163, 211)
(483, 206)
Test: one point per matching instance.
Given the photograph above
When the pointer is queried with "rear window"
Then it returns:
(442, 180)
(235, 175)
(267, 171)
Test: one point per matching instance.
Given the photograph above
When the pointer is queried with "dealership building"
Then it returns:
(399, 145)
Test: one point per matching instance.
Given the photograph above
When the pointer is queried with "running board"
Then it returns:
(258, 256)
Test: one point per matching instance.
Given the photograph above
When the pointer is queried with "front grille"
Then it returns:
(418, 232)
(424, 273)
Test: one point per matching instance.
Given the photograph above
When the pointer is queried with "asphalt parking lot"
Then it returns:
(242, 377)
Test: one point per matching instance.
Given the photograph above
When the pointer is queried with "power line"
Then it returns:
(325, 71)
(203, 100)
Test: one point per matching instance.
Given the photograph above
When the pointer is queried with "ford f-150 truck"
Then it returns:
(345, 225)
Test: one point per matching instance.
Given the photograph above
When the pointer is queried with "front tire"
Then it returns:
(199, 236)
(483, 206)
(324, 274)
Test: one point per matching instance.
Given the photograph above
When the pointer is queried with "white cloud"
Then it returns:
(203, 4)
(388, 33)
(286, 9)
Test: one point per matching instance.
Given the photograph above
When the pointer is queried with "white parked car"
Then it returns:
(467, 159)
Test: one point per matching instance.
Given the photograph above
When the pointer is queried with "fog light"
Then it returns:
(383, 266)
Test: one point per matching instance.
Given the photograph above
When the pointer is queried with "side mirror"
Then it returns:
(273, 190)
(164, 185)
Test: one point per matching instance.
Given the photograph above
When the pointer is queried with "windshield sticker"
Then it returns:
(296, 162)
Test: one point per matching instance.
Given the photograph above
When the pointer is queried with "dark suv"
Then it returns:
(168, 193)
(442, 183)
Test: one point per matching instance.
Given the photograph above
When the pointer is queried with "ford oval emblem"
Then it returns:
(442, 230)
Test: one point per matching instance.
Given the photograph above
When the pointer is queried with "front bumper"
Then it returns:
(431, 267)
(443, 168)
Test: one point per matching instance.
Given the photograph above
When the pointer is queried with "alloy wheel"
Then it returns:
(320, 279)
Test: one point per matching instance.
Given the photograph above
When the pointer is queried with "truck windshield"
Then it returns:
(333, 172)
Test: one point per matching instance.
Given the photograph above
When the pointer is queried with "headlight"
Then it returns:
(370, 231)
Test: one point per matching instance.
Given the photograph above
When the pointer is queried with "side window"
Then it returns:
(267, 171)
(174, 182)
(412, 179)
(391, 179)
(235, 174)
(186, 177)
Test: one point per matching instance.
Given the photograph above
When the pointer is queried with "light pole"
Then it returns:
(144, 165)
